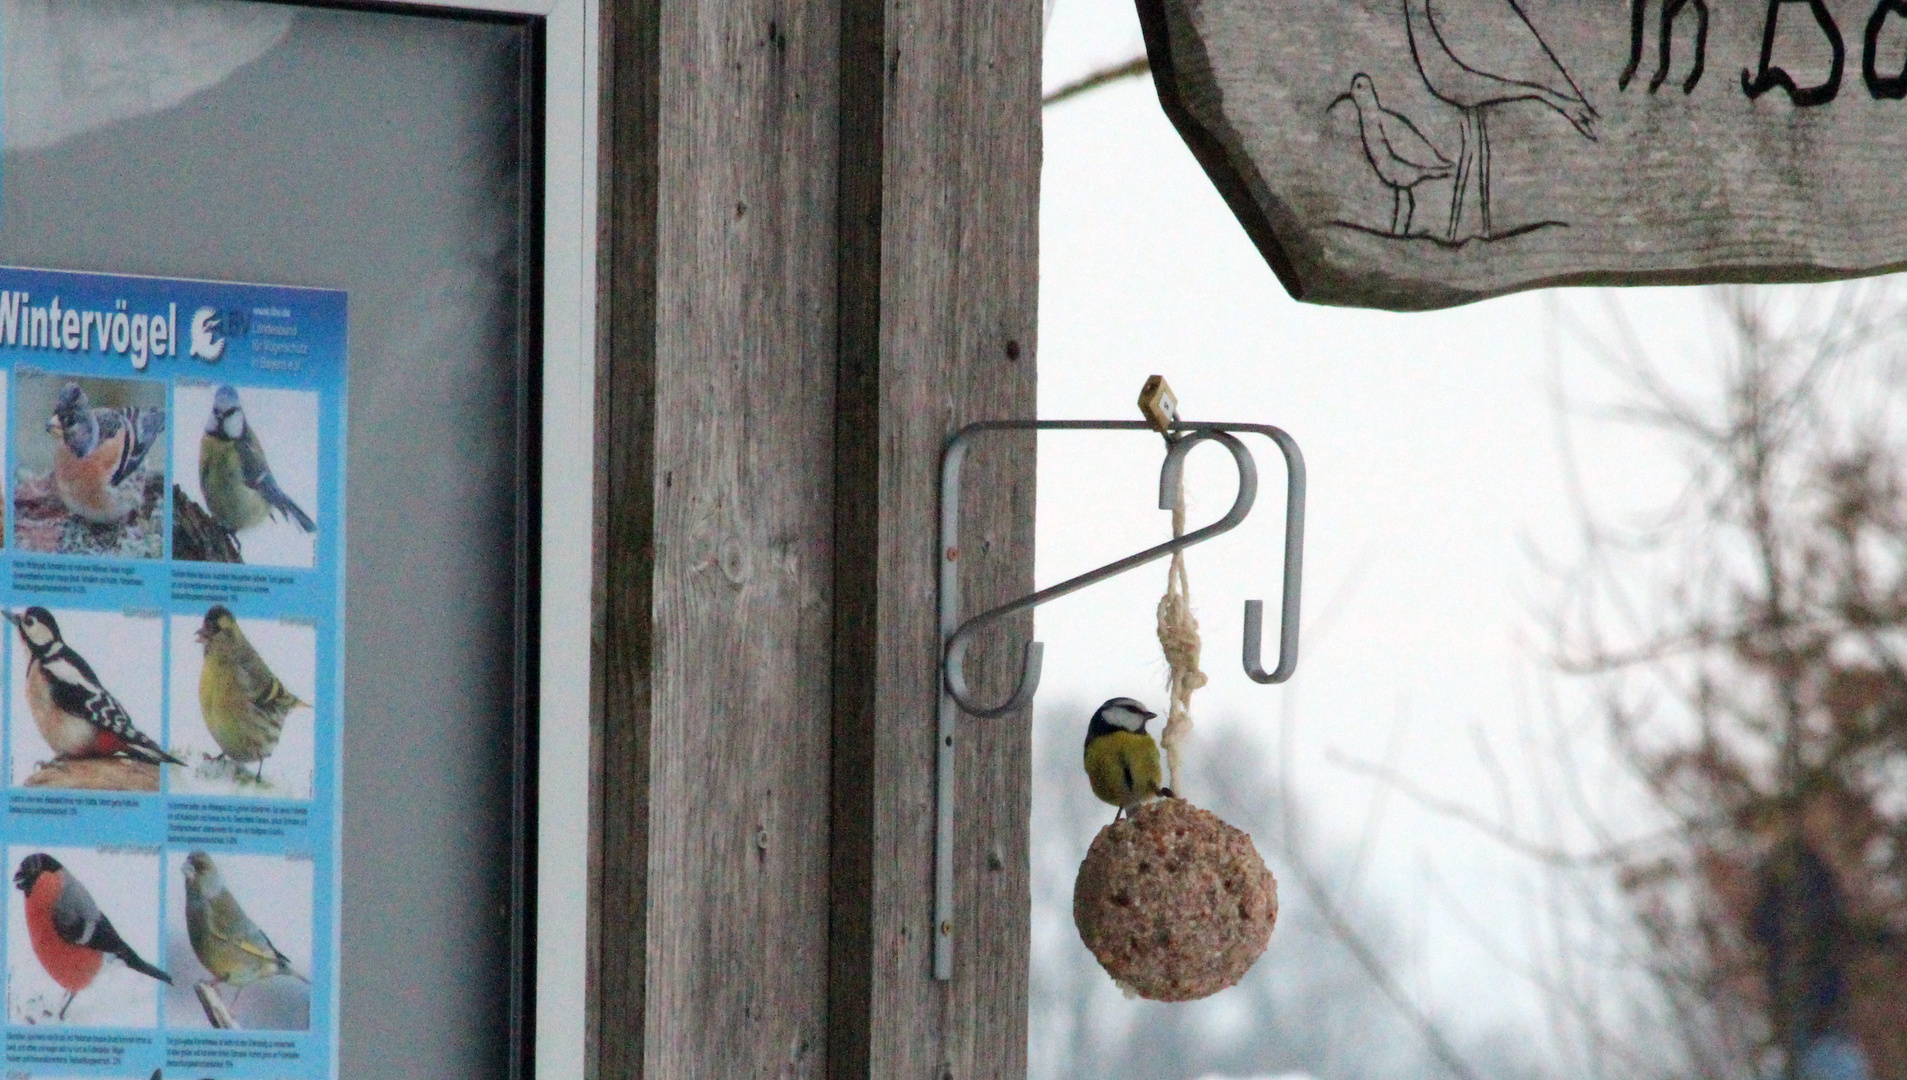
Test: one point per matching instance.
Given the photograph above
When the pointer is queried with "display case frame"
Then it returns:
(550, 916)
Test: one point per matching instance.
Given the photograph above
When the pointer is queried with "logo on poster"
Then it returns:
(212, 328)
(208, 344)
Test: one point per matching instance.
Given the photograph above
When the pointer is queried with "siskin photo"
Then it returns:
(242, 692)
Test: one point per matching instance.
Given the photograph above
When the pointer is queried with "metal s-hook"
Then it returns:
(1179, 445)
(954, 656)
(1294, 574)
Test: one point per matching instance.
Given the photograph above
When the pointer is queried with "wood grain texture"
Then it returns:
(819, 240)
(1412, 154)
(712, 652)
(622, 623)
(743, 488)
(958, 173)
(858, 520)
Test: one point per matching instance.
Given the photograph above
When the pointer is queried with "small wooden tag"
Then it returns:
(1159, 404)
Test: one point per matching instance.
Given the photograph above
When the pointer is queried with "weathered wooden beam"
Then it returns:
(818, 235)
(741, 481)
(953, 170)
(623, 635)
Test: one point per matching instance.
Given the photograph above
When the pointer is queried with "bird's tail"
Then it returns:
(146, 750)
(280, 698)
(281, 502)
(131, 960)
(303, 519)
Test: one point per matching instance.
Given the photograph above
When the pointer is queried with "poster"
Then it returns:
(171, 560)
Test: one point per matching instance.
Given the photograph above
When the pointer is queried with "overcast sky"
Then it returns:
(1433, 451)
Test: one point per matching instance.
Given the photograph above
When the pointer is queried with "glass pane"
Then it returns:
(378, 154)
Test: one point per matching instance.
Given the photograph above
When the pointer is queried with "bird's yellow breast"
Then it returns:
(1123, 767)
(244, 730)
(222, 481)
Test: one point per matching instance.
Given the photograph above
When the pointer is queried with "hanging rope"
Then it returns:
(1178, 637)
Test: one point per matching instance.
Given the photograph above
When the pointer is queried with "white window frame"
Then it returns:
(569, 440)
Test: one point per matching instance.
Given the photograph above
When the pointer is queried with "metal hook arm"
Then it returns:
(1028, 682)
(1294, 573)
(1031, 658)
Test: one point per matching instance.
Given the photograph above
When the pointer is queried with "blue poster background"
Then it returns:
(130, 605)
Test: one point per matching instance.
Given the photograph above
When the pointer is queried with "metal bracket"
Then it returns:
(956, 636)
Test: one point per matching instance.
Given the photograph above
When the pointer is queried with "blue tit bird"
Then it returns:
(234, 475)
(225, 939)
(97, 451)
(243, 703)
(1122, 761)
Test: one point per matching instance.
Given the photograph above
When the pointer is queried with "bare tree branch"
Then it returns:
(1748, 646)
(1127, 69)
(1613, 855)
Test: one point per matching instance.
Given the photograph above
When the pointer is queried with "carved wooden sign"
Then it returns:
(1412, 154)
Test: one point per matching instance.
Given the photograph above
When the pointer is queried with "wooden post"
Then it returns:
(941, 137)
(818, 236)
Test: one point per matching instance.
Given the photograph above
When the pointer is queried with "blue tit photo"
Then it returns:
(1122, 761)
(240, 491)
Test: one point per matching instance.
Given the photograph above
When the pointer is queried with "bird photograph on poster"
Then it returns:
(89, 462)
(246, 475)
(83, 937)
(242, 717)
(238, 927)
(84, 694)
